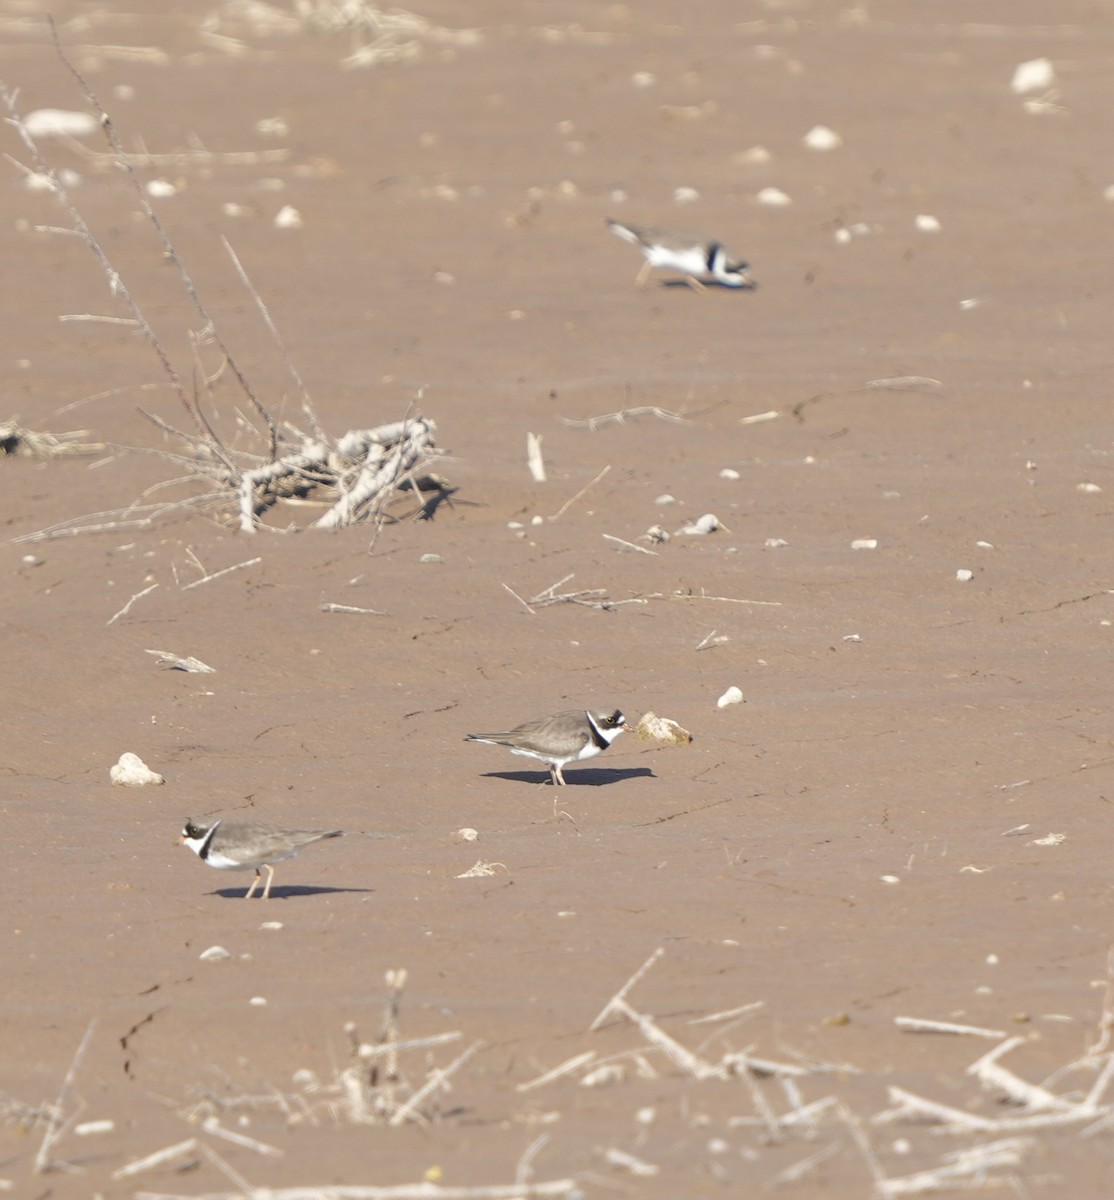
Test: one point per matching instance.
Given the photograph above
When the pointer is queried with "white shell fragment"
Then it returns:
(963, 575)
(729, 473)
(214, 954)
(466, 834)
(820, 137)
(1091, 489)
(733, 695)
(864, 544)
(1035, 75)
(774, 543)
(132, 771)
(160, 189)
(774, 197)
(482, 869)
(926, 223)
(652, 728)
(58, 122)
(288, 218)
(258, 1001)
(708, 523)
(86, 1128)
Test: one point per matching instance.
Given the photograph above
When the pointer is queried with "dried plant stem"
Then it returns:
(624, 991)
(569, 503)
(412, 1191)
(250, 562)
(624, 415)
(123, 612)
(56, 1125)
(438, 1077)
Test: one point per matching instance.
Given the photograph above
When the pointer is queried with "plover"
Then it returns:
(560, 739)
(698, 258)
(248, 845)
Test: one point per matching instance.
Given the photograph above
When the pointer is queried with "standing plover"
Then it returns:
(560, 739)
(699, 259)
(248, 845)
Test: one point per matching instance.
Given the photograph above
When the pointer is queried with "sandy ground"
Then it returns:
(905, 818)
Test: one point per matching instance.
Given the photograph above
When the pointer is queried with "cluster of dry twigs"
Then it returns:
(377, 1088)
(354, 476)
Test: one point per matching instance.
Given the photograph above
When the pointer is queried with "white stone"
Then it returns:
(132, 771)
(820, 137)
(733, 695)
(214, 954)
(1035, 75)
(59, 122)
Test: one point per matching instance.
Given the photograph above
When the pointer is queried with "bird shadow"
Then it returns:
(285, 891)
(709, 284)
(588, 777)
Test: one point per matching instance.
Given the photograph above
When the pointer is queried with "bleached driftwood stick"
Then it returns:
(213, 1127)
(570, 502)
(625, 990)
(250, 562)
(919, 1025)
(57, 1123)
(628, 545)
(123, 612)
(410, 1191)
(623, 415)
(679, 1055)
(1035, 1098)
(191, 664)
(534, 461)
(567, 1067)
(435, 1080)
(376, 481)
(167, 1154)
(349, 608)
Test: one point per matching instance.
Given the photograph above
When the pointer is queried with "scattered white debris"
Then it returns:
(38, 182)
(729, 473)
(271, 925)
(890, 879)
(852, 637)
(258, 1002)
(685, 195)
(773, 197)
(864, 544)
(756, 156)
(842, 235)
(1035, 75)
(906, 383)
(665, 498)
(759, 418)
(214, 954)
(925, 223)
(481, 868)
(31, 560)
(774, 543)
(985, 545)
(627, 1162)
(90, 1127)
(160, 189)
(708, 523)
(132, 771)
(820, 137)
(59, 122)
(466, 834)
(1051, 839)
(643, 79)
(661, 729)
(733, 695)
(971, 302)
(963, 575)
(1091, 489)
(427, 559)
(276, 127)
(288, 218)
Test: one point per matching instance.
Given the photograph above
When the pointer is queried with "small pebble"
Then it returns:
(775, 543)
(258, 1002)
(820, 137)
(214, 954)
(733, 695)
(430, 558)
(1089, 488)
(773, 197)
(271, 925)
(58, 122)
(88, 1127)
(31, 560)
(926, 224)
(665, 498)
(288, 218)
(964, 576)
(1035, 75)
(729, 473)
(865, 544)
(685, 195)
(708, 523)
(161, 189)
(466, 834)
